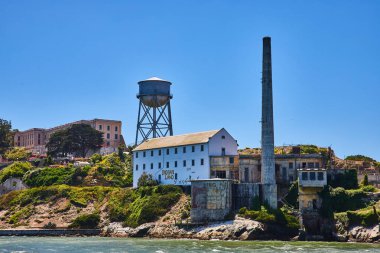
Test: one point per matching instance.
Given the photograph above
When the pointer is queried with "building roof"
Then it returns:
(154, 78)
(177, 140)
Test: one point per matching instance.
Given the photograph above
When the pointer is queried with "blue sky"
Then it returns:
(62, 61)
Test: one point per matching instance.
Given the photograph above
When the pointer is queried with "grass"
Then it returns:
(363, 217)
(16, 169)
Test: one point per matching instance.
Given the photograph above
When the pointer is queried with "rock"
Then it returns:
(362, 234)
(141, 230)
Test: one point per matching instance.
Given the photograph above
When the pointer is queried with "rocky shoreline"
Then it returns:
(237, 229)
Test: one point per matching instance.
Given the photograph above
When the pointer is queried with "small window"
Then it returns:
(116, 128)
(303, 165)
(192, 162)
(202, 147)
(317, 165)
(304, 176)
(176, 151)
(159, 165)
(310, 165)
(190, 177)
(167, 151)
(137, 154)
(108, 128)
(151, 153)
(192, 148)
(290, 165)
(184, 163)
(167, 165)
(144, 166)
(108, 136)
(175, 176)
(223, 137)
(144, 154)
(175, 164)
(184, 149)
(231, 160)
(312, 176)
(159, 152)
(159, 178)
(100, 127)
(137, 167)
(151, 166)
(202, 161)
(116, 136)
(223, 151)
(320, 176)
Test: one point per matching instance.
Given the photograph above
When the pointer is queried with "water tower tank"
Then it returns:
(154, 92)
(154, 115)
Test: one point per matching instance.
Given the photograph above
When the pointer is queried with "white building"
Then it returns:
(181, 158)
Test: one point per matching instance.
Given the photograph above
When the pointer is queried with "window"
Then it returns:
(116, 128)
(192, 162)
(220, 174)
(192, 148)
(312, 176)
(304, 176)
(159, 165)
(231, 160)
(137, 154)
(184, 149)
(176, 151)
(202, 147)
(310, 165)
(144, 166)
(223, 151)
(303, 165)
(190, 177)
(223, 137)
(290, 165)
(202, 161)
(320, 176)
(167, 165)
(151, 153)
(108, 143)
(116, 136)
(108, 128)
(151, 166)
(137, 167)
(184, 163)
(159, 178)
(159, 152)
(167, 151)
(100, 127)
(144, 154)
(316, 165)
(108, 136)
(175, 176)
(175, 164)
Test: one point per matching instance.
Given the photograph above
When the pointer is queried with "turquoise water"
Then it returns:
(99, 244)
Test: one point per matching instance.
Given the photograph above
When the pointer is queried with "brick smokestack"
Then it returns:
(268, 172)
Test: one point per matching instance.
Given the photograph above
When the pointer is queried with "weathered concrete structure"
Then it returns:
(211, 200)
(268, 176)
(12, 184)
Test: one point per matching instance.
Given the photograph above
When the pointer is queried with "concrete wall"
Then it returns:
(244, 194)
(211, 200)
(11, 184)
(222, 140)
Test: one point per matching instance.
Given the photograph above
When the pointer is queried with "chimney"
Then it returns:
(268, 172)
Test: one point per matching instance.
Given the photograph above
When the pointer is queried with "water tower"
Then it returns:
(154, 117)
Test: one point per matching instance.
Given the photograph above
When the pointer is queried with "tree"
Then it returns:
(79, 139)
(17, 154)
(146, 180)
(365, 180)
(5, 135)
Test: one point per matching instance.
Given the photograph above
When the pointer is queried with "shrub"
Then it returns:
(88, 221)
(365, 180)
(17, 154)
(347, 180)
(95, 158)
(292, 196)
(368, 188)
(50, 225)
(146, 180)
(16, 169)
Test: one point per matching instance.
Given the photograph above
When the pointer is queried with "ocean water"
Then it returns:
(100, 244)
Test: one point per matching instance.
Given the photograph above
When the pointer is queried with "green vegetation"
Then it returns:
(341, 200)
(6, 137)
(368, 188)
(55, 176)
(366, 217)
(292, 197)
(360, 158)
(78, 139)
(347, 180)
(86, 221)
(131, 206)
(146, 180)
(266, 215)
(365, 180)
(312, 149)
(16, 169)
(17, 154)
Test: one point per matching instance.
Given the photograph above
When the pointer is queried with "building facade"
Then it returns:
(179, 159)
(35, 139)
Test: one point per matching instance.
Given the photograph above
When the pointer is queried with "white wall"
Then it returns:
(216, 144)
(184, 174)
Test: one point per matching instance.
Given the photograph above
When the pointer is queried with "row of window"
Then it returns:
(309, 165)
(100, 127)
(168, 164)
(116, 136)
(184, 149)
(312, 176)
